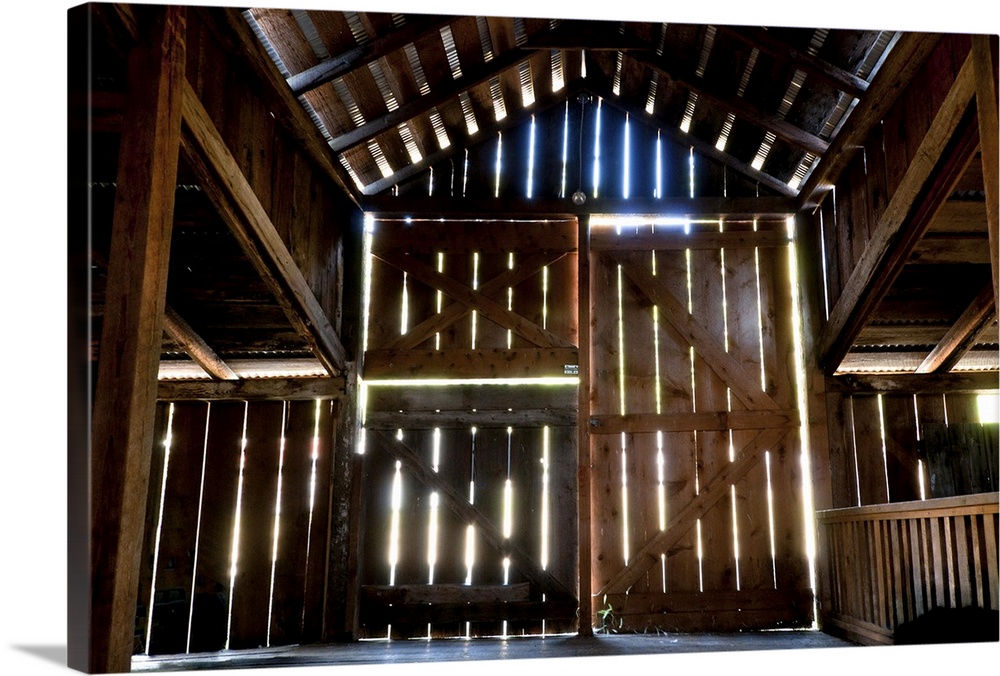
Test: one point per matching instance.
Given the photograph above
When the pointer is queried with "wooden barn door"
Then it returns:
(470, 430)
(697, 499)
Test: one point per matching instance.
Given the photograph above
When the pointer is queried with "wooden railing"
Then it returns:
(883, 565)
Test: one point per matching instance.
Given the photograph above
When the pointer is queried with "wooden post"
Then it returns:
(346, 520)
(583, 427)
(984, 58)
(125, 400)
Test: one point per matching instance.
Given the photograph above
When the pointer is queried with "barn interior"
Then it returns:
(397, 327)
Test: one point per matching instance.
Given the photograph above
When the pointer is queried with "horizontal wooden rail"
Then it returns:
(886, 565)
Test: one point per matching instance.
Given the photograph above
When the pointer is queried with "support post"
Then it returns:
(346, 520)
(124, 404)
(586, 627)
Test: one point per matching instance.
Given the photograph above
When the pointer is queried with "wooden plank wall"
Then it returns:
(311, 215)
(891, 564)
(652, 376)
(866, 186)
(245, 488)
(877, 443)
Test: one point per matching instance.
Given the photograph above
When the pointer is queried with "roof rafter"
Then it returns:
(838, 78)
(741, 108)
(512, 120)
(418, 107)
(962, 336)
(359, 57)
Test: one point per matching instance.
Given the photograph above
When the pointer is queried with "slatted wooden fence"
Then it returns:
(891, 563)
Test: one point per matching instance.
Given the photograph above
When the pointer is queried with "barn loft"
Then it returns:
(403, 325)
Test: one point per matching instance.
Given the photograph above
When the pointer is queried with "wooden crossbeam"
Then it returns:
(553, 207)
(739, 106)
(408, 111)
(824, 71)
(195, 346)
(460, 363)
(962, 335)
(471, 514)
(456, 311)
(744, 386)
(252, 389)
(474, 300)
(330, 69)
(478, 418)
(672, 240)
(910, 383)
(684, 519)
(943, 154)
(238, 206)
(688, 422)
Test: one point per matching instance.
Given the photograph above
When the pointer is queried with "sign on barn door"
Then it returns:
(697, 498)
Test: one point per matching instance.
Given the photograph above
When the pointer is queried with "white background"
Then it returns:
(32, 380)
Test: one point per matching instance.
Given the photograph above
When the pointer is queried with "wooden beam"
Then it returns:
(674, 240)
(910, 383)
(479, 418)
(740, 107)
(459, 363)
(288, 367)
(839, 79)
(459, 504)
(195, 346)
(701, 421)
(459, 613)
(744, 386)
(227, 187)
(945, 151)
(584, 451)
(684, 519)
(445, 593)
(256, 389)
(962, 335)
(233, 31)
(901, 65)
(593, 36)
(513, 119)
(125, 398)
(670, 130)
(419, 106)
(951, 249)
(388, 206)
(985, 61)
(475, 300)
(415, 28)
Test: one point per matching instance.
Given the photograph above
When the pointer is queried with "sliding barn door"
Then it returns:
(470, 427)
(697, 497)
